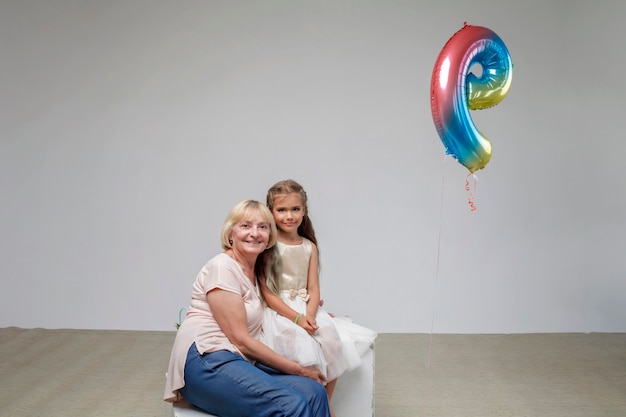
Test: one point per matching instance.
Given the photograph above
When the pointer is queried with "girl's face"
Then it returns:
(288, 212)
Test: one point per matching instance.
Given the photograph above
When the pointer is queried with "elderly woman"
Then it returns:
(217, 362)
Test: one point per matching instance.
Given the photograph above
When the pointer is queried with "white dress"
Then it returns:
(336, 346)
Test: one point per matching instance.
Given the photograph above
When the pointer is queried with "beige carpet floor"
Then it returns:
(523, 375)
(102, 373)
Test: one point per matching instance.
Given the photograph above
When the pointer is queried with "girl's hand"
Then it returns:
(308, 323)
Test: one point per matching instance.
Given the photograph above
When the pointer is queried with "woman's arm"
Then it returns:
(230, 313)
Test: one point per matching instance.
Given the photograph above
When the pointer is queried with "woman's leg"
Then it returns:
(225, 384)
(313, 391)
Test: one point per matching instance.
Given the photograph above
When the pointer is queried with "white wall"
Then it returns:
(130, 128)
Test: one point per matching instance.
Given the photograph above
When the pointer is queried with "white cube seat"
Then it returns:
(353, 396)
(183, 409)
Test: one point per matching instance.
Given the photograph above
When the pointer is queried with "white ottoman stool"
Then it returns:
(184, 409)
(353, 397)
(354, 394)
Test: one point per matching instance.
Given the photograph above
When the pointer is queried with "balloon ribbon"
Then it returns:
(468, 188)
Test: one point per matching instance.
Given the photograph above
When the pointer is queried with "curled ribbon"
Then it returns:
(468, 188)
(302, 293)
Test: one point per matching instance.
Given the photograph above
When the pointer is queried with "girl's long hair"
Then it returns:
(268, 268)
(273, 266)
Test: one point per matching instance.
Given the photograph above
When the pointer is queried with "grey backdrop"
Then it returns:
(130, 128)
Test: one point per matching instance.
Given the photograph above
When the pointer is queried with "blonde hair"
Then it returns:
(245, 210)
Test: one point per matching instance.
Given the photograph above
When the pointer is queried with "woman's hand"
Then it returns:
(314, 374)
(308, 323)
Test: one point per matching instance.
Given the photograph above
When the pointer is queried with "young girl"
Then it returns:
(294, 325)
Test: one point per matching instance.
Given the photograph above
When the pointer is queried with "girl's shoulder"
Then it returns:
(305, 244)
(308, 246)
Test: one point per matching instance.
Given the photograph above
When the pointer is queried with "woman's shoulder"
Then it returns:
(221, 268)
(221, 261)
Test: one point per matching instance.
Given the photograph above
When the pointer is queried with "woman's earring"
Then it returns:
(230, 242)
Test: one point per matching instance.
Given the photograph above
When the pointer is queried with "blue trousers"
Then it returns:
(225, 384)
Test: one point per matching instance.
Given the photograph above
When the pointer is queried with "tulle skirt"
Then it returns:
(336, 347)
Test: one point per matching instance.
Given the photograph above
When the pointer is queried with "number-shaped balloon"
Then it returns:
(455, 90)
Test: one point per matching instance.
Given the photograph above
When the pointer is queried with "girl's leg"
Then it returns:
(330, 388)
(225, 384)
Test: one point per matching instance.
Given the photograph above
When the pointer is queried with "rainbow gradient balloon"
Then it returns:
(455, 90)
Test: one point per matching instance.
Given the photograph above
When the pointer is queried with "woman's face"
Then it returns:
(250, 235)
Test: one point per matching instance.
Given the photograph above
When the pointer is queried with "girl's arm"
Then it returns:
(275, 302)
(313, 287)
(278, 305)
(229, 312)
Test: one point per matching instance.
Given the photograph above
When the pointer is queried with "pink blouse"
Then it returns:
(200, 326)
